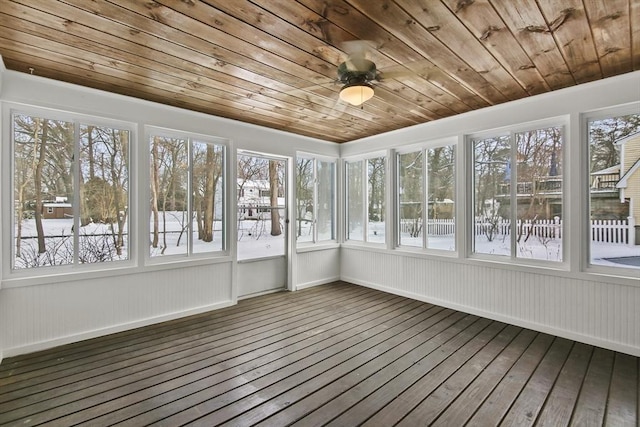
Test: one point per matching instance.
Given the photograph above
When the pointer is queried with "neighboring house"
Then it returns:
(57, 210)
(629, 182)
(254, 199)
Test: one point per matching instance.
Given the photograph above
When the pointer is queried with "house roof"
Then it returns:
(607, 171)
(274, 63)
(627, 138)
(623, 182)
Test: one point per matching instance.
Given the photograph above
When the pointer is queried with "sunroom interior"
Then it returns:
(403, 208)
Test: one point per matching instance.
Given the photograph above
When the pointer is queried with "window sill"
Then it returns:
(312, 247)
(21, 279)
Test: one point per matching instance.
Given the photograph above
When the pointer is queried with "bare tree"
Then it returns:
(212, 175)
(304, 190)
(42, 154)
(376, 168)
(26, 158)
(276, 228)
(155, 188)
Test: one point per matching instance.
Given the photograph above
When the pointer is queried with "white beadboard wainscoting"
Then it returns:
(41, 316)
(317, 267)
(594, 312)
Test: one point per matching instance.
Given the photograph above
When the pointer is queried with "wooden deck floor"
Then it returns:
(338, 355)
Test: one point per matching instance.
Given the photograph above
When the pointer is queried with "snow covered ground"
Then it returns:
(255, 241)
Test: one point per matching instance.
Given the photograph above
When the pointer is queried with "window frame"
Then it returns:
(365, 197)
(585, 118)
(316, 159)
(424, 147)
(145, 226)
(44, 273)
(561, 122)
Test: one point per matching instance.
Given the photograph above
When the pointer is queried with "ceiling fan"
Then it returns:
(357, 73)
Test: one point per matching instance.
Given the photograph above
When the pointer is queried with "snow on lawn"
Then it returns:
(255, 241)
(254, 237)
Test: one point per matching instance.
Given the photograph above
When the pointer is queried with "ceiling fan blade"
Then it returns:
(338, 110)
(358, 47)
(395, 74)
(358, 53)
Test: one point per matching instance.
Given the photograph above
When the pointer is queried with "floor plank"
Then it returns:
(465, 405)
(592, 402)
(425, 401)
(337, 354)
(528, 405)
(562, 399)
(621, 405)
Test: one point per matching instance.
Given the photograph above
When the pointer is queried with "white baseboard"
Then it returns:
(587, 339)
(257, 294)
(317, 282)
(43, 345)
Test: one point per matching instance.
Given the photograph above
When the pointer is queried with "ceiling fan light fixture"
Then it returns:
(356, 93)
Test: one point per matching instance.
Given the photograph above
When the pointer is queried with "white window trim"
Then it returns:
(424, 147)
(144, 227)
(315, 242)
(365, 197)
(20, 277)
(562, 122)
(585, 225)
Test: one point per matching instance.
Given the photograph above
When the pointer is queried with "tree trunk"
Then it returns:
(209, 194)
(118, 190)
(155, 185)
(276, 230)
(38, 188)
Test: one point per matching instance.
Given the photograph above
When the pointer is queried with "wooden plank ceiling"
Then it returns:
(274, 63)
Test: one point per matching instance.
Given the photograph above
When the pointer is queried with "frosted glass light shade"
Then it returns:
(356, 94)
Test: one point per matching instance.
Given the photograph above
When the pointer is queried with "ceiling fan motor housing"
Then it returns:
(366, 73)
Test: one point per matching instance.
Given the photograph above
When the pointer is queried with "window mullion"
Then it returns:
(316, 202)
(513, 193)
(365, 197)
(189, 185)
(77, 173)
(425, 197)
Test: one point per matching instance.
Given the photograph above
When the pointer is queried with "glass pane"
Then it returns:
(376, 199)
(261, 207)
(441, 230)
(614, 154)
(168, 182)
(326, 200)
(492, 177)
(355, 203)
(539, 194)
(304, 200)
(410, 198)
(104, 194)
(43, 192)
(207, 196)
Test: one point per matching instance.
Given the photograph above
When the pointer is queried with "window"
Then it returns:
(437, 175)
(66, 211)
(182, 224)
(411, 195)
(531, 192)
(614, 191)
(366, 204)
(315, 192)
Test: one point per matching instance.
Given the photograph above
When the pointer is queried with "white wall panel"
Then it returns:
(596, 312)
(263, 275)
(317, 267)
(41, 316)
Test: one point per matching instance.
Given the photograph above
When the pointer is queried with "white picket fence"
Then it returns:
(609, 231)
